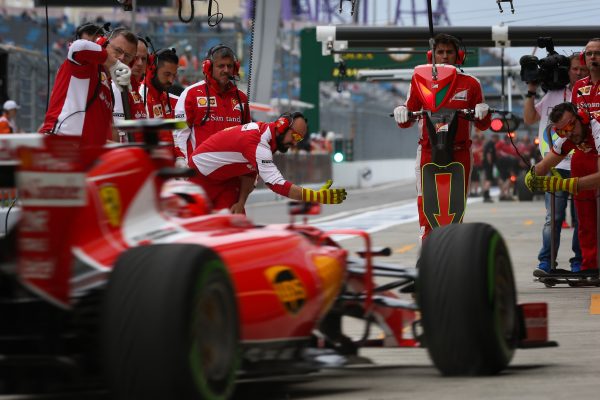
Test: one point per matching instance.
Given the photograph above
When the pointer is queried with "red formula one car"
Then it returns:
(119, 277)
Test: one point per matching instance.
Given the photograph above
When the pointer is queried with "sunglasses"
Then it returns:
(562, 132)
(296, 136)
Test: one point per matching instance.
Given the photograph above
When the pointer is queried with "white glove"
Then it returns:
(121, 74)
(481, 110)
(401, 114)
(181, 162)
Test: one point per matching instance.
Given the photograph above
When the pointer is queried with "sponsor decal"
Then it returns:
(266, 161)
(118, 115)
(111, 204)
(236, 105)
(137, 99)
(157, 111)
(585, 90)
(60, 189)
(288, 287)
(461, 96)
(203, 102)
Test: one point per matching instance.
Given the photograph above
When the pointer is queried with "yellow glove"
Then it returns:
(324, 195)
(530, 179)
(555, 183)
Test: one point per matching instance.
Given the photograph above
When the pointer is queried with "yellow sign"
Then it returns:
(111, 204)
(288, 287)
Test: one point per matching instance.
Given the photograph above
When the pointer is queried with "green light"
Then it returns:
(338, 157)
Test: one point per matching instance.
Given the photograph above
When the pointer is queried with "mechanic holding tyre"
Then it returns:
(580, 132)
(467, 94)
(229, 161)
(539, 111)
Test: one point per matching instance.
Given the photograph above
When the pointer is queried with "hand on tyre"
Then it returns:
(401, 114)
(481, 110)
(325, 195)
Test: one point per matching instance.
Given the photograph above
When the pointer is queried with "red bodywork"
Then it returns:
(286, 277)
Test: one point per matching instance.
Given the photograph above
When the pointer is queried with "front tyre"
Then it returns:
(170, 325)
(467, 296)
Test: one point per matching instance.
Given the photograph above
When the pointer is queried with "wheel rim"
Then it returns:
(213, 338)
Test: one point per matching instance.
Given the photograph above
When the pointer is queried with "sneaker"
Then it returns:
(542, 269)
(576, 266)
(565, 225)
(488, 200)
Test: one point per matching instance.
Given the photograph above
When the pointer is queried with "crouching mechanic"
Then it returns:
(229, 161)
(580, 133)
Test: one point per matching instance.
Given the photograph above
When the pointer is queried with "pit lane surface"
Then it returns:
(570, 370)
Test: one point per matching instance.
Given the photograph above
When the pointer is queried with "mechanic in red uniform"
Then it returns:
(212, 104)
(160, 76)
(81, 102)
(586, 91)
(229, 161)
(467, 94)
(581, 133)
(137, 109)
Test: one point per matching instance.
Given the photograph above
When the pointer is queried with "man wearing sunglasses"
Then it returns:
(229, 161)
(538, 111)
(580, 133)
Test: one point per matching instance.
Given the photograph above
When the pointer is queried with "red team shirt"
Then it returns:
(81, 102)
(193, 105)
(241, 150)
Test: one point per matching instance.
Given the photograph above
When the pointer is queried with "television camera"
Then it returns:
(552, 71)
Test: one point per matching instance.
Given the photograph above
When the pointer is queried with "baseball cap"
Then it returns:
(10, 105)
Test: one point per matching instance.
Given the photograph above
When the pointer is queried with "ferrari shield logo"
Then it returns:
(288, 287)
(443, 193)
(111, 204)
(157, 111)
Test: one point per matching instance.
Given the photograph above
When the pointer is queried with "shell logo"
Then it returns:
(288, 288)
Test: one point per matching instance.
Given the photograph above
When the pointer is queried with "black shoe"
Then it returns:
(588, 273)
(488, 200)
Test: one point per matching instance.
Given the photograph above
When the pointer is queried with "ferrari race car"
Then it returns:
(117, 276)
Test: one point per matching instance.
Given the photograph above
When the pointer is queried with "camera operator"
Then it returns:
(586, 91)
(539, 111)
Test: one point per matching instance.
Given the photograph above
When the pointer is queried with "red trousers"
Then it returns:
(583, 164)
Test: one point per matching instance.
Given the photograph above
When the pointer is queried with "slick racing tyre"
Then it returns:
(466, 293)
(170, 325)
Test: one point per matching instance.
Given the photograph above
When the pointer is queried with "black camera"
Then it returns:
(552, 72)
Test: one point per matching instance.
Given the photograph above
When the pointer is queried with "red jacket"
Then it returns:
(586, 95)
(467, 94)
(208, 114)
(89, 113)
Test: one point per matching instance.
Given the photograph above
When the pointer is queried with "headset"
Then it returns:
(582, 54)
(92, 29)
(461, 54)
(155, 55)
(207, 63)
(286, 120)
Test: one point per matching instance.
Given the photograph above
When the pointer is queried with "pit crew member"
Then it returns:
(467, 94)
(581, 133)
(228, 163)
